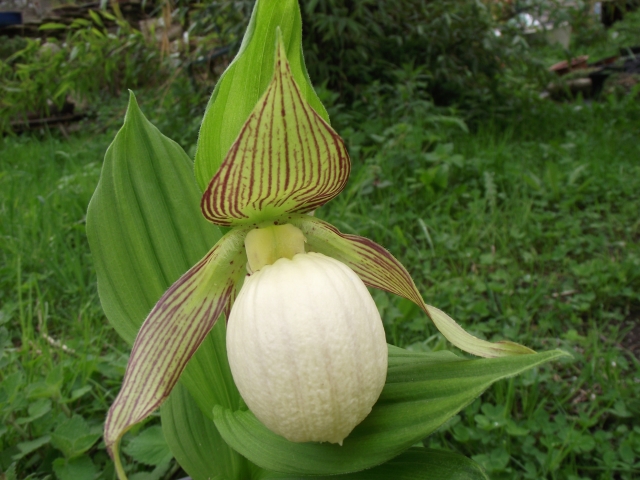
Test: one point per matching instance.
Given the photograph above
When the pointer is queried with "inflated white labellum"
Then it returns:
(307, 348)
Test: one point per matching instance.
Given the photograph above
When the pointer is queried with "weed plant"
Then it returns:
(525, 230)
(37, 77)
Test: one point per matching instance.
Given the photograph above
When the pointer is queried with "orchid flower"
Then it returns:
(304, 349)
(285, 163)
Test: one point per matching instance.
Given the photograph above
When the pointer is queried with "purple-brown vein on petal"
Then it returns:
(145, 351)
(342, 163)
(302, 193)
(302, 185)
(288, 163)
(394, 280)
(149, 352)
(391, 276)
(137, 414)
(251, 161)
(268, 157)
(378, 268)
(305, 148)
(302, 175)
(310, 197)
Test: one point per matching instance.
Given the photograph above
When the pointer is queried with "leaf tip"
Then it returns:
(562, 353)
(133, 101)
(132, 107)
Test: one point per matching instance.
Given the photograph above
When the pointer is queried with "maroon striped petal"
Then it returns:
(286, 159)
(171, 334)
(378, 268)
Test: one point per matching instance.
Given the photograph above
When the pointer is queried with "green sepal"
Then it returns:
(422, 391)
(245, 80)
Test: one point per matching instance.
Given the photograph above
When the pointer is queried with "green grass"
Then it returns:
(527, 231)
(60, 362)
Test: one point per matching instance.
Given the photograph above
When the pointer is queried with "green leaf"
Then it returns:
(286, 159)
(149, 447)
(50, 387)
(78, 468)
(79, 392)
(414, 464)
(158, 473)
(25, 448)
(96, 18)
(195, 441)
(172, 333)
(144, 225)
(422, 392)
(73, 437)
(246, 79)
(379, 269)
(10, 473)
(52, 26)
(145, 230)
(36, 410)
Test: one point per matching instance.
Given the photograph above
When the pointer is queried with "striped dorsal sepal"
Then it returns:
(286, 159)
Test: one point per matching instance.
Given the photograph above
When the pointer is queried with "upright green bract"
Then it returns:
(281, 161)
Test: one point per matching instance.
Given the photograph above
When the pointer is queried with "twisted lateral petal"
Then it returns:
(172, 333)
(286, 159)
(378, 268)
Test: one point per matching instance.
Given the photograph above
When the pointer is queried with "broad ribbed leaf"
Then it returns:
(195, 443)
(286, 159)
(172, 333)
(422, 392)
(246, 79)
(143, 222)
(194, 439)
(378, 268)
(414, 464)
(145, 230)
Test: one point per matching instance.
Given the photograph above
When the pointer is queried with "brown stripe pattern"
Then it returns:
(379, 269)
(286, 159)
(172, 333)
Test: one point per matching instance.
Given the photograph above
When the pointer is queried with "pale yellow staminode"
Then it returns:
(266, 245)
(307, 348)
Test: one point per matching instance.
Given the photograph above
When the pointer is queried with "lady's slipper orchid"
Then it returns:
(286, 162)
